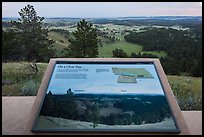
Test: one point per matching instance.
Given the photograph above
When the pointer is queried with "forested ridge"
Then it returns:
(87, 107)
(183, 48)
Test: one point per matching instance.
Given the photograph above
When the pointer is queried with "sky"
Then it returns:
(102, 82)
(105, 9)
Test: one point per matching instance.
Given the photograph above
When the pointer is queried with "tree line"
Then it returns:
(150, 109)
(183, 48)
(120, 53)
(65, 106)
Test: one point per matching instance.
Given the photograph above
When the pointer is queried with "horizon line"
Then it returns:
(121, 16)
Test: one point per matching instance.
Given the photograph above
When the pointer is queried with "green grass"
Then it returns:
(57, 36)
(58, 45)
(59, 49)
(107, 50)
(20, 73)
(187, 90)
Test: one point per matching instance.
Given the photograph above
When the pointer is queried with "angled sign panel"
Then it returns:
(105, 95)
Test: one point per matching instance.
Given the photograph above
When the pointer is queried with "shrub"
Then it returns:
(119, 53)
(192, 102)
(11, 90)
(19, 73)
(30, 88)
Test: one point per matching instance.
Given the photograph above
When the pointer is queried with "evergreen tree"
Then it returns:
(11, 50)
(119, 53)
(85, 43)
(33, 37)
(95, 115)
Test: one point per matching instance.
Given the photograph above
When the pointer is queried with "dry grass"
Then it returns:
(20, 73)
(188, 91)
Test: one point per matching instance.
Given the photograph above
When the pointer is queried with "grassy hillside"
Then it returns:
(26, 80)
(53, 122)
(60, 42)
(106, 51)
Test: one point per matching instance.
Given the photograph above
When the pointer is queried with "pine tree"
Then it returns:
(33, 37)
(95, 115)
(119, 53)
(85, 43)
(11, 50)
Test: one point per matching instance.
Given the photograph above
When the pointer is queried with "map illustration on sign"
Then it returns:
(94, 97)
(129, 75)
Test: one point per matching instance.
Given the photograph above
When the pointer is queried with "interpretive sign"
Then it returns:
(94, 95)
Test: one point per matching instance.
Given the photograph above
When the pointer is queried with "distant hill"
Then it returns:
(9, 19)
(106, 20)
